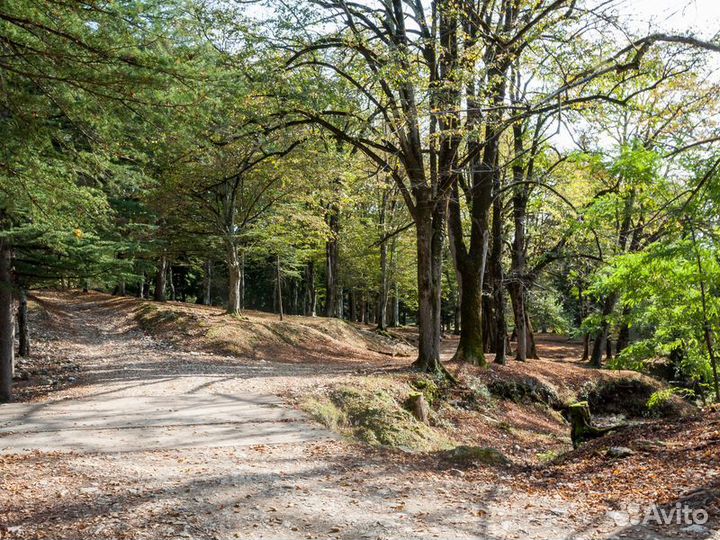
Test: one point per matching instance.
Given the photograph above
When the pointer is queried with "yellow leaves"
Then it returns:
(77, 233)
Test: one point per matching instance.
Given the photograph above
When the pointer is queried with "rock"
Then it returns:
(619, 452)
(484, 455)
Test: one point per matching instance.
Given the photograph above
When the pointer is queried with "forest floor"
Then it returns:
(143, 421)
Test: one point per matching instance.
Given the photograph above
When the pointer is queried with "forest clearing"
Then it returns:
(350, 269)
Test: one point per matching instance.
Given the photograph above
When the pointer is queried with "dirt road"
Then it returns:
(152, 442)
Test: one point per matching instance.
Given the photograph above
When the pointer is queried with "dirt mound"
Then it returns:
(263, 336)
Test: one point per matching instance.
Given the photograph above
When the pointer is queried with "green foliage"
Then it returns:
(547, 312)
(661, 288)
(661, 400)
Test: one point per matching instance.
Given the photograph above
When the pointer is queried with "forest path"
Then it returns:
(152, 442)
(135, 393)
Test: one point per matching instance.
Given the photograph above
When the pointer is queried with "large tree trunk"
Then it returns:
(234, 278)
(518, 259)
(7, 323)
(470, 266)
(476, 329)
(160, 278)
(429, 232)
(23, 329)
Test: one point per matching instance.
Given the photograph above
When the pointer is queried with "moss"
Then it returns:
(428, 387)
(547, 457)
(376, 417)
(325, 411)
(373, 413)
(477, 454)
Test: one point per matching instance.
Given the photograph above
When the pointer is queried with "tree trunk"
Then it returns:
(488, 329)
(310, 293)
(340, 309)
(332, 249)
(234, 278)
(171, 282)
(23, 330)
(384, 289)
(352, 301)
(471, 347)
(518, 262)
(241, 293)
(207, 283)
(498, 286)
(520, 330)
(530, 335)
(456, 314)
(7, 323)
(623, 339)
(429, 226)
(395, 307)
(601, 337)
(470, 267)
(707, 325)
(278, 282)
(160, 277)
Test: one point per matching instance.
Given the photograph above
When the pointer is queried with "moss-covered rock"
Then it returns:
(630, 396)
(375, 413)
(376, 417)
(526, 391)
